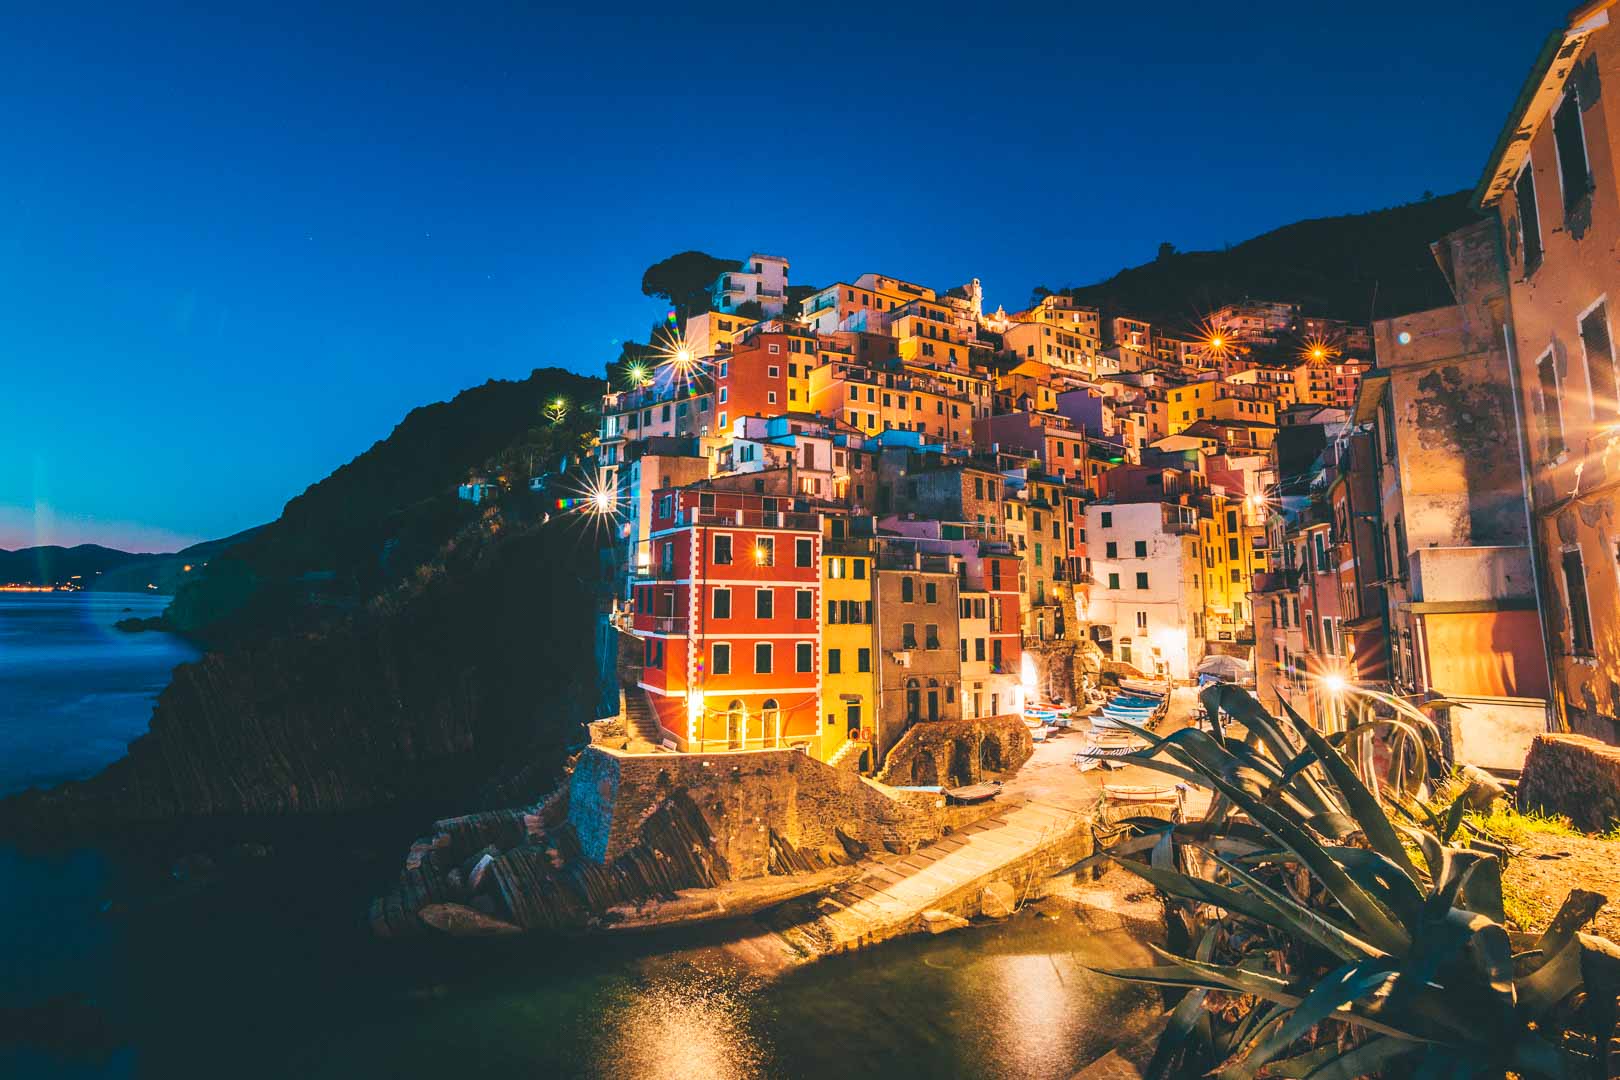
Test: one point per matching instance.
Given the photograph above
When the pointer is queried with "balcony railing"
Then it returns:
(654, 573)
(755, 519)
(669, 624)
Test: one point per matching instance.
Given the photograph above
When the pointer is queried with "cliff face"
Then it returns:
(473, 678)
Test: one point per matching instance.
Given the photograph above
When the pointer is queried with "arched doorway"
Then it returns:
(913, 701)
(961, 771)
(924, 773)
(933, 699)
(770, 716)
(735, 719)
(990, 754)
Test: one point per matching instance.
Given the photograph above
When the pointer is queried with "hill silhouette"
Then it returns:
(1357, 267)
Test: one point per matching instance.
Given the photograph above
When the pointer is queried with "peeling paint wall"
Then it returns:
(1576, 480)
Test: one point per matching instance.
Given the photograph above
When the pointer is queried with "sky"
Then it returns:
(237, 247)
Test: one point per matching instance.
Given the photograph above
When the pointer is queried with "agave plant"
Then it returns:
(1325, 940)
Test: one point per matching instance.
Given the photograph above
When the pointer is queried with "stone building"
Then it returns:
(1552, 185)
(919, 674)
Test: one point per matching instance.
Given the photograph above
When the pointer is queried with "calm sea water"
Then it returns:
(265, 969)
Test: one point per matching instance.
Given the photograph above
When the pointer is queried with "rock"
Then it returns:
(480, 872)
(459, 920)
(937, 922)
(998, 900)
(1483, 789)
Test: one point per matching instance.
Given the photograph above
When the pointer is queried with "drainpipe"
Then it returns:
(1553, 719)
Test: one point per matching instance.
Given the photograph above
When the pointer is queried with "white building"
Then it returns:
(763, 278)
(1147, 594)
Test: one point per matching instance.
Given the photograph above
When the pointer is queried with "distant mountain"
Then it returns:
(56, 565)
(105, 569)
(1358, 267)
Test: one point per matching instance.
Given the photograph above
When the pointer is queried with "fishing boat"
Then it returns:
(1141, 686)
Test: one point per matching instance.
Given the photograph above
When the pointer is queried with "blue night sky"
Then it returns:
(235, 249)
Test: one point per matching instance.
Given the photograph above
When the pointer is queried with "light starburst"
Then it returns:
(1317, 349)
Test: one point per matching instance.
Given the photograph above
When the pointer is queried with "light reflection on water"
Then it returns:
(668, 1028)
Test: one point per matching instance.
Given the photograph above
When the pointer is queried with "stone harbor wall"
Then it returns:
(1574, 775)
(955, 753)
(745, 797)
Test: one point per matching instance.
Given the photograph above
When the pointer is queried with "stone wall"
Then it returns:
(1573, 775)
(744, 797)
(955, 753)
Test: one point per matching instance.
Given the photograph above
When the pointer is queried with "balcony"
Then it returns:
(749, 519)
(654, 573)
(669, 624)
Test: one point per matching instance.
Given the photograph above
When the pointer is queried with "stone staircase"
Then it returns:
(848, 756)
(639, 719)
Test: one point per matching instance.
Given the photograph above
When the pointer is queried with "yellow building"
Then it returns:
(848, 650)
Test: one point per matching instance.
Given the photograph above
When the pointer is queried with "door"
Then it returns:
(933, 704)
(852, 716)
(734, 726)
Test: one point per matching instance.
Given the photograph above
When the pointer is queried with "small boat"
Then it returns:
(974, 793)
(1138, 686)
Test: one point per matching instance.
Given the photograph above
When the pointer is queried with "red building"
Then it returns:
(728, 609)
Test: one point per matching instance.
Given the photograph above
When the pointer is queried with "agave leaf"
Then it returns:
(1482, 888)
(1163, 856)
(1264, 727)
(1253, 1028)
(1333, 993)
(1377, 923)
(1362, 804)
(1178, 1030)
(1288, 915)
(1552, 982)
(1383, 879)
(1366, 1060)
(1454, 817)
(1535, 1056)
(1302, 1064)
(1165, 975)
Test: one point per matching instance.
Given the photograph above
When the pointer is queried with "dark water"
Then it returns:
(264, 969)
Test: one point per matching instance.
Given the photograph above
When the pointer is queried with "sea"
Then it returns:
(116, 960)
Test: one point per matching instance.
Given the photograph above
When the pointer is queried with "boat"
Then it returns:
(1141, 686)
(974, 793)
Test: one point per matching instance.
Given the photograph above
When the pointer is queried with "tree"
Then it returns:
(1166, 249)
(1037, 294)
(684, 281)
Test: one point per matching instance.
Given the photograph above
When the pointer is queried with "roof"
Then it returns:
(1540, 91)
(1369, 394)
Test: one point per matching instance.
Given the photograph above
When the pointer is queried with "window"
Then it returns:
(1107, 519)
(1111, 550)
(804, 656)
(804, 604)
(995, 654)
(764, 603)
(930, 592)
(1570, 140)
(722, 550)
(720, 661)
(1524, 197)
(1113, 581)
(1552, 417)
(765, 551)
(1580, 616)
(859, 568)
(907, 590)
(931, 636)
(1141, 581)
(762, 658)
(1141, 620)
(908, 635)
(863, 660)
(1141, 549)
(978, 649)
(804, 552)
(1599, 353)
(720, 604)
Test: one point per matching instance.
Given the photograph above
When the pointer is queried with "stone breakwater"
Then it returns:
(626, 832)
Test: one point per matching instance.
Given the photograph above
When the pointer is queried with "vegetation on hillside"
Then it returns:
(1358, 267)
(392, 509)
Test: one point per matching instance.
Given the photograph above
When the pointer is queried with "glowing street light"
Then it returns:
(1334, 683)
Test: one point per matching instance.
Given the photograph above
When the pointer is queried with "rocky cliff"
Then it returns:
(470, 680)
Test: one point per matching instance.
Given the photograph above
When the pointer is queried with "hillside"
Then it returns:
(52, 564)
(1356, 267)
(382, 642)
(373, 521)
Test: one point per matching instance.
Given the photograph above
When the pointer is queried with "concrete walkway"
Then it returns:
(1042, 824)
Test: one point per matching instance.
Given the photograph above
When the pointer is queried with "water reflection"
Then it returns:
(673, 1028)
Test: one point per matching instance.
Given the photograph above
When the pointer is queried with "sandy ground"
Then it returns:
(1541, 876)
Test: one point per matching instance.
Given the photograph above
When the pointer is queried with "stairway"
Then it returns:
(848, 756)
(639, 719)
